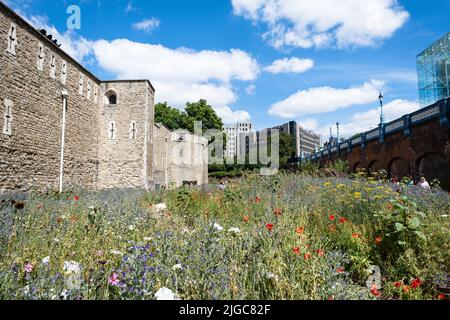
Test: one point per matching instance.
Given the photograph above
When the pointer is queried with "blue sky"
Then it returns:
(316, 62)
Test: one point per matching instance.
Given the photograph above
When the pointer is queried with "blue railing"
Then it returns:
(440, 110)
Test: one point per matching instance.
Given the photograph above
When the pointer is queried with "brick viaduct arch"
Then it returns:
(417, 144)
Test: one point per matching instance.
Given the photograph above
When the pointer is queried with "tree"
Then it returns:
(201, 111)
(198, 111)
(286, 148)
(172, 118)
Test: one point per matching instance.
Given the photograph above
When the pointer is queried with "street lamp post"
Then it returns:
(338, 133)
(381, 106)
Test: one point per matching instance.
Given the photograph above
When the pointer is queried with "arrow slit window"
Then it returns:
(64, 72)
(40, 57)
(7, 118)
(12, 39)
(53, 67)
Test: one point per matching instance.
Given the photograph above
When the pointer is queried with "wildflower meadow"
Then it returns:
(289, 236)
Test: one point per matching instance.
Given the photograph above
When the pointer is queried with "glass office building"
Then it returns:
(433, 67)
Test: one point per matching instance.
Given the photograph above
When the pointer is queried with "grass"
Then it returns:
(283, 237)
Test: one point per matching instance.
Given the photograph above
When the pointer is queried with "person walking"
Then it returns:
(424, 183)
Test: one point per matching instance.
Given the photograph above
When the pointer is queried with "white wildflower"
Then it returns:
(64, 294)
(218, 227)
(26, 290)
(71, 267)
(46, 260)
(148, 239)
(74, 275)
(271, 275)
(116, 253)
(165, 294)
(177, 267)
(131, 228)
(234, 230)
(160, 207)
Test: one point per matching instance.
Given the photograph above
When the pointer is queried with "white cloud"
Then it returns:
(147, 25)
(292, 65)
(326, 99)
(365, 121)
(310, 124)
(129, 7)
(250, 90)
(231, 117)
(180, 75)
(319, 23)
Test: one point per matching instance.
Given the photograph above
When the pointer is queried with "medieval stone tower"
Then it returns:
(63, 127)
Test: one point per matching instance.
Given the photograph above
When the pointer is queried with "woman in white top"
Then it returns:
(424, 183)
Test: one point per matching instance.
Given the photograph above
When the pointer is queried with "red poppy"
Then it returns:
(76, 198)
(269, 226)
(300, 230)
(246, 219)
(405, 289)
(343, 220)
(296, 250)
(257, 200)
(397, 284)
(332, 218)
(278, 212)
(441, 296)
(331, 298)
(390, 206)
(340, 270)
(378, 240)
(307, 256)
(375, 291)
(320, 252)
(356, 236)
(416, 283)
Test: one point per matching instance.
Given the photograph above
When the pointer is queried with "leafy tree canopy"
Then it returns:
(198, 111)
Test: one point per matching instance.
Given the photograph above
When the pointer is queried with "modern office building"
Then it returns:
(235, 134)
(433, 69)
(306, 142)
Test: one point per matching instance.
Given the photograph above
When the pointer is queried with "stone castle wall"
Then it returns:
(108, 143)
(125, 134)
(188, 160)
(30, 153)
(162, 138)
(179, 158)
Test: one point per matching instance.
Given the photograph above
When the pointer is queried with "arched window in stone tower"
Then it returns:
(111, 97)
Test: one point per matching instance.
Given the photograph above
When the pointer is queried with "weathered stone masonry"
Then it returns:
(34, 72)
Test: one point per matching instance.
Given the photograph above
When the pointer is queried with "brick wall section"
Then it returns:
(123, 161)
(426, 152)
(30, 156)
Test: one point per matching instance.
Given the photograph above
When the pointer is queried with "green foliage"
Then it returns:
(339, 165)
(309, 167)
(201, 111)
(176, 119)
(172, 118)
